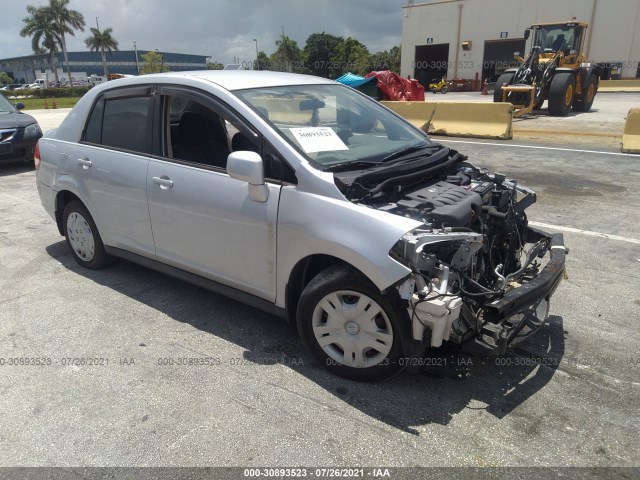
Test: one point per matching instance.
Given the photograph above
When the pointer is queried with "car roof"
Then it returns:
(235, 79)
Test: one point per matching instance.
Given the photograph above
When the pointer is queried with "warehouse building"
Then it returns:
(476, 39)
(26, 69)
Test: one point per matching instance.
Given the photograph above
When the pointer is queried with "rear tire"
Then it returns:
(584, 101)
(497, 92)
(561, 93)
(83, 238)
(352, 329)
(444, 90)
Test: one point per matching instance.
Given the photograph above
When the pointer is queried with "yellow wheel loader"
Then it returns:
(555, 70)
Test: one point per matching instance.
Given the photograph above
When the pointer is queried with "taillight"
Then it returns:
(36, 156)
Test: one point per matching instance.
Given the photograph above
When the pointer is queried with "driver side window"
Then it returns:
(195, 133)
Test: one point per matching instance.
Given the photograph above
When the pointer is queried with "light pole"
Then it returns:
(257, 66)
(135, 49)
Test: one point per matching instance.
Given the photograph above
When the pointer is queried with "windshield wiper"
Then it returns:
(405, 153)
(349, 166)
(409, 150)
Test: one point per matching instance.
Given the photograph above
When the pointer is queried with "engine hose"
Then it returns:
(478, 285)
(493, 212)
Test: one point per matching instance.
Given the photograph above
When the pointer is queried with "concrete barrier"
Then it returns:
(458, 119)
(631, 136)
(418, 113)
(473, 119)
(619, 86)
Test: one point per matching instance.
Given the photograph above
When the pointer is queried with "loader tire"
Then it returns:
(584, 101)
(497, 92)
(561, 93)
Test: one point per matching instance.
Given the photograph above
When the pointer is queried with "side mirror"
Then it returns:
(527, 33)
(19, 105)
(248, 167)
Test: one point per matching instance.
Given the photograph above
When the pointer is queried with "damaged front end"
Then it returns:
(482, 278)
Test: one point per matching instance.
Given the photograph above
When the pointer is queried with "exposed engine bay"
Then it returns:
(474, 260)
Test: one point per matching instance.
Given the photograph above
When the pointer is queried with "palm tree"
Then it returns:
(39, 27)
(103, 41)
(288, 54)
(65, 21)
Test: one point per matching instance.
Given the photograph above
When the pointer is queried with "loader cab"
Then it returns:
(567, 39)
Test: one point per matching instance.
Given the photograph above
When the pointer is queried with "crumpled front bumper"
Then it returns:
(512, 318)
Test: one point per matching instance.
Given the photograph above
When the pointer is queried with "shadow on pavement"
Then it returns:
(15, 168)
(497, 385)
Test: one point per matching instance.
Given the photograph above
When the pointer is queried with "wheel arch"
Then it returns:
(303, 272)
(63, 198)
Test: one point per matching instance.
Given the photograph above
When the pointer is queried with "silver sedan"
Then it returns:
(309, 200)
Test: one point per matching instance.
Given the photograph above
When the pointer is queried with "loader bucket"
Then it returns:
(520, 109)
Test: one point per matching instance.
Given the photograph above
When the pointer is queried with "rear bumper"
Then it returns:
(520, 312)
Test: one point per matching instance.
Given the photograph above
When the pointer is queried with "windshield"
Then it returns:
(333, 125)
(554, 38)
(6, 106)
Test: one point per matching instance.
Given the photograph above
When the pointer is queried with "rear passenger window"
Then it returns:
(121, 123)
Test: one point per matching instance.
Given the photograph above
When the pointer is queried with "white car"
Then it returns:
(309, 200)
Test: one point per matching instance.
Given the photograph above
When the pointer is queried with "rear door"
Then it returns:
(111, 165)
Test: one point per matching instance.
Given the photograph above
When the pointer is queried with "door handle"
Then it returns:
(163, 182)
(85, 162)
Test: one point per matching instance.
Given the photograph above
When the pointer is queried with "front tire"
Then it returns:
(83, 238)
(354, 331)
(561, 93)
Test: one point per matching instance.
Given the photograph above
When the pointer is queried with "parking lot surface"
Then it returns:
(139, 369)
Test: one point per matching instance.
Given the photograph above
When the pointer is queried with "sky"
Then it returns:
(222, 29)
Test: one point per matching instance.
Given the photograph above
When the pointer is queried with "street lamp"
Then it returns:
(256, 67)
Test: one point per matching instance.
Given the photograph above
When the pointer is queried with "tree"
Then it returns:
(353, 56)
(263, 61)
(103, 41)
(320, 53)
(288, 57)
(152, 62)
(213, 65)
(64, 21)
(5, 78)
(387, 60)
(38, 25)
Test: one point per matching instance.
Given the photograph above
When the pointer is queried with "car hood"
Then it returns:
(14, 120)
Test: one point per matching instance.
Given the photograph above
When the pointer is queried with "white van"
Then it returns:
(96, 79)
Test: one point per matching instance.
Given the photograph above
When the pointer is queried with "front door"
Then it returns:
(203, 220)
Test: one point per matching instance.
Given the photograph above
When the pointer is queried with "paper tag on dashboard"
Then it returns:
(318, 139)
